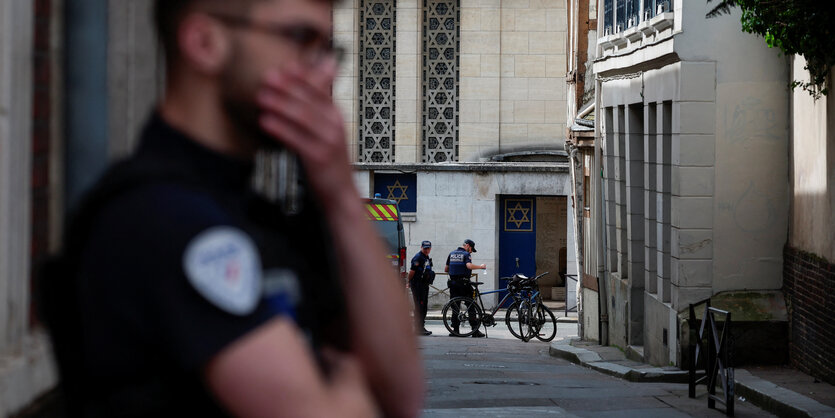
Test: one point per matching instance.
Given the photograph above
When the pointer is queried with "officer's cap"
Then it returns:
(471, 244)
(425, 244)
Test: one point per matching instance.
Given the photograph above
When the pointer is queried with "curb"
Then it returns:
(777, 400)
(592, 360)
(762, 393)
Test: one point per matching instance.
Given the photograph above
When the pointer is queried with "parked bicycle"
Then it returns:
(533, 317)
(470, 314)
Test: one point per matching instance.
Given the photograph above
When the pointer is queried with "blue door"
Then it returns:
(517, 238)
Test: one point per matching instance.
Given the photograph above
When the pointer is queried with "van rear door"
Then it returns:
(386, 217)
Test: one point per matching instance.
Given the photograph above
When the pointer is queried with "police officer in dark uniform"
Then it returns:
(459, 266)
(419, 276)
(183, 292)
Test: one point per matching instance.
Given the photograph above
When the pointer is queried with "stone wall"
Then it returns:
(46, 129)
(809, 283)
(812, 226)
(551, 238)
(808, 272)
(135, 72)
(25, 367)
(345, 91)
(590, 326)
(513, 71)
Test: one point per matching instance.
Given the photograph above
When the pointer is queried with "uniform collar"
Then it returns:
(160, 140)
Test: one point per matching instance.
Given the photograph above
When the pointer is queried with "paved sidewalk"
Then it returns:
(782, 391)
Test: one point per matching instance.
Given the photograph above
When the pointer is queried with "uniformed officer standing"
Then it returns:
(184, 293)
(459, 266)
(419, 283)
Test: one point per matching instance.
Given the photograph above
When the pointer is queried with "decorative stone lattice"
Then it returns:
(440, 80)
(376, 85)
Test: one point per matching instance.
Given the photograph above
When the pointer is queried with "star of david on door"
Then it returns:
(518, 215)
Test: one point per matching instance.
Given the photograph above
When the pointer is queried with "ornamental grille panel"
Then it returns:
(440, 80)
(376, 84)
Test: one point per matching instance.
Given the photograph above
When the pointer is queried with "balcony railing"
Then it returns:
(629, 22)
(620, 15)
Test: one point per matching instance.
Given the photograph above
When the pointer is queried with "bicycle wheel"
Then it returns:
(546, 324)
(511, 319)
(466, 312)
(526, 327)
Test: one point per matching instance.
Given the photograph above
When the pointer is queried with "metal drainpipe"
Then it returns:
(501, 11)
(602, 305)
(578, 227)
(85, 105)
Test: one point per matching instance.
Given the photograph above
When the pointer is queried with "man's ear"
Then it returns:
(204, 43)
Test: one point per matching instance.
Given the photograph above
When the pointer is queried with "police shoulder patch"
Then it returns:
(223, 265)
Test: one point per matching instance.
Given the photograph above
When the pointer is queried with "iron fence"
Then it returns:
(713, 338)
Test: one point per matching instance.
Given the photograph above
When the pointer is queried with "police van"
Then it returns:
(385, 215)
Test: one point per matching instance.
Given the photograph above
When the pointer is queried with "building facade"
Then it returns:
(581, 113)
(459, 106)
(26, 53)
(77, 79)
(693, 138)
(808, 263)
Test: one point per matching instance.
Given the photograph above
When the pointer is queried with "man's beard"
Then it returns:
(281, 180)
(238, 98)
(245, 115)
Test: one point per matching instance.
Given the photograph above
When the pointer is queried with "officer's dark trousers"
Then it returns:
(420, 294)
(460, 287)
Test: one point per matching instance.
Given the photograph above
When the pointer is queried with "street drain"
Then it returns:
(486, 366)
(503, 382)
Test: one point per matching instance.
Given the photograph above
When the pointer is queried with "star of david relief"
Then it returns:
(512, 215)
(518, 215)
(398, 187)
(376, 83)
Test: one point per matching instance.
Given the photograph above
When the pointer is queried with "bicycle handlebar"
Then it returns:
(516, 277)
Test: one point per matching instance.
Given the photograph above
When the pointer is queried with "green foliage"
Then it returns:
(803, 27)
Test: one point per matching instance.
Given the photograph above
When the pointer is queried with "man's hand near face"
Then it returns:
(299, 113)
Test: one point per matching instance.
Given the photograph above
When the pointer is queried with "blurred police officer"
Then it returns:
(459, 266)
(420, 275)
(183, 292)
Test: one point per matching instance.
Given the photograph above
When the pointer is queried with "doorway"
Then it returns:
(532, 240)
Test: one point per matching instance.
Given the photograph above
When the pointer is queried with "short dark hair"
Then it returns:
(168, 14)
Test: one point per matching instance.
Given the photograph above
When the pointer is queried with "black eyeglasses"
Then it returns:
(314, 46)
